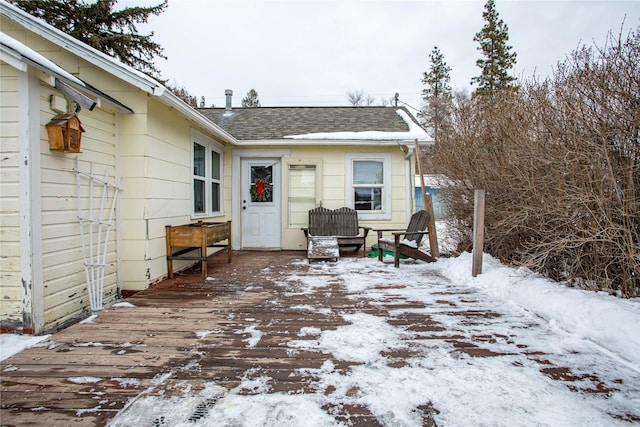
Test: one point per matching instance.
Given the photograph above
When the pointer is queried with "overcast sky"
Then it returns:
(298, 53)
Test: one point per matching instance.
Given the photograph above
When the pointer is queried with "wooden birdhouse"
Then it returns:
(65, 133)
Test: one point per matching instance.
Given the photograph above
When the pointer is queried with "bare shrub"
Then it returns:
(560, 161)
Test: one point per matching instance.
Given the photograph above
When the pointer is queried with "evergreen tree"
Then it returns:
(251, 100)
(498, 58)
(437, 94)
(98, 25)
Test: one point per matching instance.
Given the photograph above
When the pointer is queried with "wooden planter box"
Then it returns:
(198, 236)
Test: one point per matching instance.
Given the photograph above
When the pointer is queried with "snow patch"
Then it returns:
(11, 344)
(84, 380)
(122, 304)
(90, 319)
(254, 335)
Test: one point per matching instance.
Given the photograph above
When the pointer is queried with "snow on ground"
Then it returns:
(608, 321)
(11, 344)
(594, 334)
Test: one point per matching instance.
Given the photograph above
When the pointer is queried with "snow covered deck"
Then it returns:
(271, 340)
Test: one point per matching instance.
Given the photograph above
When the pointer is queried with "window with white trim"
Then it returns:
(207, 157)
(368, 184)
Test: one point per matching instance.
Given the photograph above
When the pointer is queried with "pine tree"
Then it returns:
(498, 58)
(437, 94)
(98, 25)
(251, 100)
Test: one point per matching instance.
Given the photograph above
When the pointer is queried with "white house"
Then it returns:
(360, 157)
(170, 164)
(137, 132)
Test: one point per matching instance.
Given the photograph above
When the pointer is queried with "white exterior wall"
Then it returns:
(149, 149)
(159, 174)
(11, 289)
(154, 164)
(157, 179)
(43, 284)
(65, 288)
(61, 283)
(331, 163)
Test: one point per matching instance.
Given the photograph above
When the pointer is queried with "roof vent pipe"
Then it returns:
(228, 93)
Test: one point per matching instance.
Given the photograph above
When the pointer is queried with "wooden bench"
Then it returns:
(339, 223)
(197, 236)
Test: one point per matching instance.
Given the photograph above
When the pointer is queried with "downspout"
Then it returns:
(118, 221)
(410, 183)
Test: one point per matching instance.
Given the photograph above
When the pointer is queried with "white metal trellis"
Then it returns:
(96, 229)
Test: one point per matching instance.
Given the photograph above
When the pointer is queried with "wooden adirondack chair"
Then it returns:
(410, 244)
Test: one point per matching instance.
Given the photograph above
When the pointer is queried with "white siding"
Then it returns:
(11, 289)
(61, 295)
(333, 186)
(157, 182)
(149, 149)
(65, 288)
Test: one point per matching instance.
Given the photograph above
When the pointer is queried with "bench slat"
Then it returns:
(340, 223)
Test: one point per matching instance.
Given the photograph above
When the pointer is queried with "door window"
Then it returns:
(261, 185)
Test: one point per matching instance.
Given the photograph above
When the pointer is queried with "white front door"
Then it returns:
(260, 203)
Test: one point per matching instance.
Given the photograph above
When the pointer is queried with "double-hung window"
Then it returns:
(207, 158)
(368, 179)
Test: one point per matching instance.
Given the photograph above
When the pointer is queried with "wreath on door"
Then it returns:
(261, 191)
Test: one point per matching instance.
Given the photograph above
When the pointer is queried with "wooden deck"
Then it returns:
(91, 370)
(189, 331)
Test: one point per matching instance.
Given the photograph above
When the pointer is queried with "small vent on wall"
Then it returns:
(58, 104)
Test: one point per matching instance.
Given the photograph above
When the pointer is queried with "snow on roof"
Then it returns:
(414, 132)
(433, 181)
(14, 47)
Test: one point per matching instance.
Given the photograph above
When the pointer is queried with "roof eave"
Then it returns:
(111, 66)
(172, 101)
(80, 49)
(336, 142)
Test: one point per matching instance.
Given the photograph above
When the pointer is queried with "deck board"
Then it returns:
(235, 325)
(184, 322)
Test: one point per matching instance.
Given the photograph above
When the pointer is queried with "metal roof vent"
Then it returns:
(228, 93)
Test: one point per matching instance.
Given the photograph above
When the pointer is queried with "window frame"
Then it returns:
(385, 159)
(210, 146)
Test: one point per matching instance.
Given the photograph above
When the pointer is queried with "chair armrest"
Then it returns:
(366, 230)
(306, 231)
(409, 232)
(381, 230)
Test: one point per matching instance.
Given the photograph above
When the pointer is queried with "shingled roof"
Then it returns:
(278, 123)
